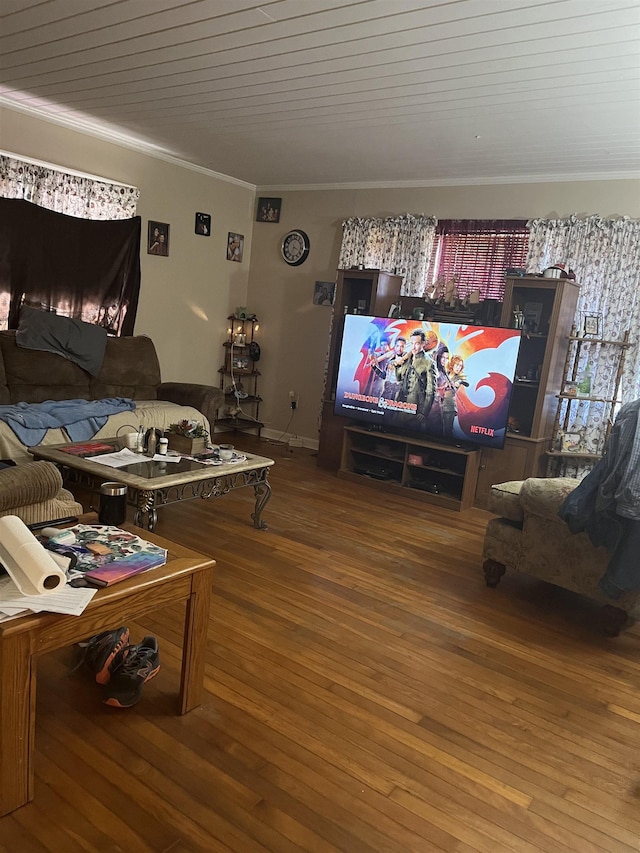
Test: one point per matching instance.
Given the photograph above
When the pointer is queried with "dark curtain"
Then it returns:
(83, 268)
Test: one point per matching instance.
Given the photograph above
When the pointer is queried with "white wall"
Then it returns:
(294, 332)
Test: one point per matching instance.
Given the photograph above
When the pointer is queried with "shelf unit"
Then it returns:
(240, 368)
(584, 349)
(370, 292)
(424, 470)
(539, 370)
(545, 309)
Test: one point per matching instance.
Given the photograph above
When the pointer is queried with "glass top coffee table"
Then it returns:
(152, 484)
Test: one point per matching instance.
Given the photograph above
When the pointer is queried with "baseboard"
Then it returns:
(291, 439)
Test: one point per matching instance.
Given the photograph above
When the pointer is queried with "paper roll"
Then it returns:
(26, 561)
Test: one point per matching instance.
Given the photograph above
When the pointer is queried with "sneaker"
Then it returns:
(101, 650)
(134, 667)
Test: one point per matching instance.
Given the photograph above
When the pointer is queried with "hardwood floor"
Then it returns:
(365, 692)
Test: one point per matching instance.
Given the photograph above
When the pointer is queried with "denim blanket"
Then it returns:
(81, 419)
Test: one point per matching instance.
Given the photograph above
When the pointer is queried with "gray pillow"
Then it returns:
(79, 342)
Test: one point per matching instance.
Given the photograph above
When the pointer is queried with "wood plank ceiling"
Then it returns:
(309, 92)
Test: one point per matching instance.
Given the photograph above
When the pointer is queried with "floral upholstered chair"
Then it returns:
(530, 537)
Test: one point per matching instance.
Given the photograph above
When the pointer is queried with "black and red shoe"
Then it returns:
(101, 651)
(134, 666)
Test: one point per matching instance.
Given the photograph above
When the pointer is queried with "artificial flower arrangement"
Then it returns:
(187, 437)
(188, 428)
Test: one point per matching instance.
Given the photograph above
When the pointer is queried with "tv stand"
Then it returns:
(418, 468)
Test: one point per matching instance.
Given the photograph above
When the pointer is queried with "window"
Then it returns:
(476, 253)
(90, 273)
(76, 267)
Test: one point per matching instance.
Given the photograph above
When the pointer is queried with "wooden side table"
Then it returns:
(186, 576)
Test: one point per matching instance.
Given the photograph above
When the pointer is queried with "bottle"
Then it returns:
(584, 385)
(140, 442)
(163, 446)
(152, 443)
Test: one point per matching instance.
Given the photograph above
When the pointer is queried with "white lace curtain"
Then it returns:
(605, 256)
(399, 244)
(84, 197)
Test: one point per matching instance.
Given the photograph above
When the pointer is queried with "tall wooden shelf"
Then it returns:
(547, 309)
(240, 368)
(371, 292)
(584, 349)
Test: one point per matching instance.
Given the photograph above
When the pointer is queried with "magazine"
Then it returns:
(118, 570)
(105, 555)
(87, 448)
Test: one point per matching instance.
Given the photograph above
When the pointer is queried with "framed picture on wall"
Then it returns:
(235, 247)
(203, 224)
(158, 238)
(268, 210)
(324, 292)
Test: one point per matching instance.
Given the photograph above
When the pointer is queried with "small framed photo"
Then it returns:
(203, 224)
(532, 316)
(158, 238)
(268, 210)
(324, 292)
(235, 247)
(592, 324)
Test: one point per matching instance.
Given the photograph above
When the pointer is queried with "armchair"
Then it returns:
(530, 537)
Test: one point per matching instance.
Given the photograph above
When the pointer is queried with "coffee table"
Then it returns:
(186, 576)
(152, 484)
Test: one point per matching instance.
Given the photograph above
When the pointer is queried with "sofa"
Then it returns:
(34, 493)
(528, 536)
(130, 369)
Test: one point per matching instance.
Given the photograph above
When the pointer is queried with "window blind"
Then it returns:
(477, 253)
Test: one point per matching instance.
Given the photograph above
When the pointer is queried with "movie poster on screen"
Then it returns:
(449, 381)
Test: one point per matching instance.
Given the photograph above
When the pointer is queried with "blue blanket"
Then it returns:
(80, 418)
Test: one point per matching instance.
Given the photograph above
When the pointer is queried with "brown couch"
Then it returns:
(130, 369)
(34, 493)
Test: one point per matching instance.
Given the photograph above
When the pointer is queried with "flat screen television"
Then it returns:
(448, 381)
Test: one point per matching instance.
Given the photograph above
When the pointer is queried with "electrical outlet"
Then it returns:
(293, 400)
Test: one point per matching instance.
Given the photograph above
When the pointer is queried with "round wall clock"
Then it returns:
(295, 248)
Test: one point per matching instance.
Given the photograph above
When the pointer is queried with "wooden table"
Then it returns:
(152, 484)
(186, 576)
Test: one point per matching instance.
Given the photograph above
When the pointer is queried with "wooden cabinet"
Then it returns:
(239, 377)
(371, 292)
(424, 470)
(548, 308)
(521, 457)
(544, 308)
